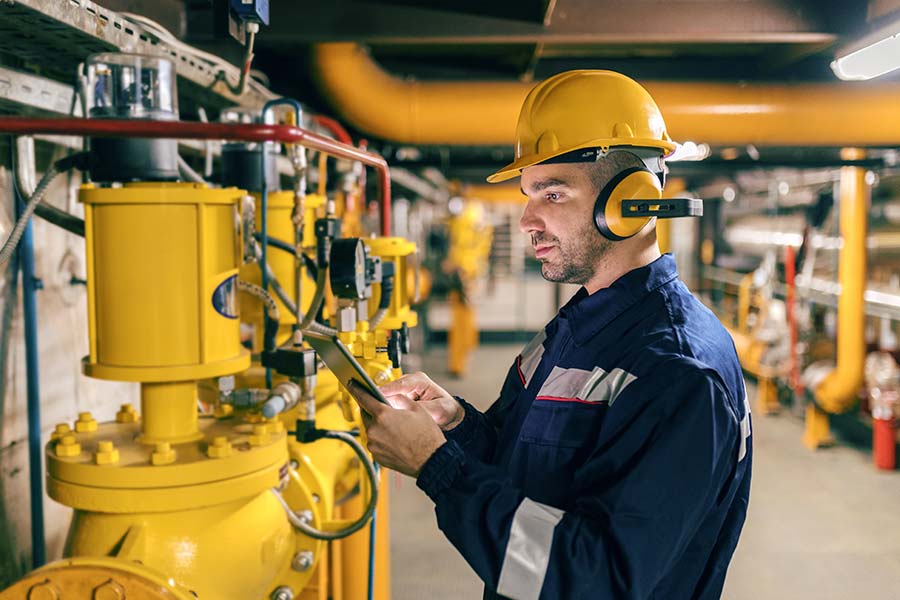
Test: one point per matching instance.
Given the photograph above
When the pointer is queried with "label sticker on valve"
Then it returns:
(224, 299)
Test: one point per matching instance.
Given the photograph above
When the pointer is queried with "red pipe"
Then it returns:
(363, 145)
(790, 277)
(334, 127)
(208, 131)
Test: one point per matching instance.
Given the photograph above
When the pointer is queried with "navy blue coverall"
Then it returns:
(616, 461)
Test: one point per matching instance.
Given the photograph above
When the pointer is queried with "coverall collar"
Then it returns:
(590, 313)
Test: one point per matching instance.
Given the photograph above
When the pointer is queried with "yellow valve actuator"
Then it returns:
(398, 251)
(162, 265)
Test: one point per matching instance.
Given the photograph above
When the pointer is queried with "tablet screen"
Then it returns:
(338, 359)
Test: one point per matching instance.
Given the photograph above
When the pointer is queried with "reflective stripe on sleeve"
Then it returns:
(528, 550)
(531, 356)
(745, 429)
(579, 385)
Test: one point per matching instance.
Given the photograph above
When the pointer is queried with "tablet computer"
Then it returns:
(344, 365)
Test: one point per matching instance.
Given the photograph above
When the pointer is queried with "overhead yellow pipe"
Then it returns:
(493, 193)
(485, 112)
(838, 391)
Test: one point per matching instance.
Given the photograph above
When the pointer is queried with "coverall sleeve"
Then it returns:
(474, 435)
(633, 512)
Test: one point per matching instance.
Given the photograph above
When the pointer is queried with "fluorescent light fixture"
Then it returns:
(874, 55)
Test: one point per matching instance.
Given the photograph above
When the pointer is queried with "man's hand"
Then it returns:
(402, 436)
(419, 388)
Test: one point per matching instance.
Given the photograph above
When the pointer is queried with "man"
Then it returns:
(616, 461)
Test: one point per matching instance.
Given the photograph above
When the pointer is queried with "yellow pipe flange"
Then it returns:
(151, 478)
(96, 578)
(162, 374)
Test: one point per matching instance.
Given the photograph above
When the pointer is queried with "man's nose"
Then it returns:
(530, 222)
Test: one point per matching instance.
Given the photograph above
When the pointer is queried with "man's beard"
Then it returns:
(578, 258)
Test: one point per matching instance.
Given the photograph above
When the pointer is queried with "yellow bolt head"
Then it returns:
(85, 423)
(43, 591)
(68, 446)
(107, 453)
(223, 411)
(253, 418)
(260, 435)
(60, 430)
(126, 414)
(163, 454)
(109, 591)
(219, 448)
(277, 426)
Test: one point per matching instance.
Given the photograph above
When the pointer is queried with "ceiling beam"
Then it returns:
(573, 21)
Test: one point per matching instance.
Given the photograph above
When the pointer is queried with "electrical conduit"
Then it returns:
(25, 173)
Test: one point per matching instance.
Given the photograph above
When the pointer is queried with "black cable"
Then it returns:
(311, 268)
(387, 289)
(60, 218)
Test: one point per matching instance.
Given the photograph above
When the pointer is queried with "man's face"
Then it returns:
(559, 217)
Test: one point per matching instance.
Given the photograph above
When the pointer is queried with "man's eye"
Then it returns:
(553, 196)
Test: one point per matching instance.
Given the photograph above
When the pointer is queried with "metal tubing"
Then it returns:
(485, 112)
(257, 132)
(264, 217)
(25, 177)
(334, 127)
(838, 391)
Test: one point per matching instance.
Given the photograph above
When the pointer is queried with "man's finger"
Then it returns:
(366, 400)
(410, 385)
(401, 401)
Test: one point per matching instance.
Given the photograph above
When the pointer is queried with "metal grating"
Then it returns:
(53, 36)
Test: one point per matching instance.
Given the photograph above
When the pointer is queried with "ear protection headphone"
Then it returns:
(635, 191)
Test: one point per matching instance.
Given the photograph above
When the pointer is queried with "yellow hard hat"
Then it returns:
(584, 109)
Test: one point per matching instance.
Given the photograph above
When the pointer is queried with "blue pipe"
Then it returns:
(264, 206)
(30, 284)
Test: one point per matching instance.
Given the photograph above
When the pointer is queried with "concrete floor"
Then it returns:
(822, 526)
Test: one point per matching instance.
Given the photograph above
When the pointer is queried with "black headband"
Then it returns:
(581, 155)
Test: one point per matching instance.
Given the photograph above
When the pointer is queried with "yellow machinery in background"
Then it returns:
(172, 502)
(834, 385)
(470, 237)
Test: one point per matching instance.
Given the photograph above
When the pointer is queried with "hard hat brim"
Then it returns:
(514, 169)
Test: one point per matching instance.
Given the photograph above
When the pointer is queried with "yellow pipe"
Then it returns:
(169, 412)
(744, 302)
(495, 193)
(837, 392)
(484, 112)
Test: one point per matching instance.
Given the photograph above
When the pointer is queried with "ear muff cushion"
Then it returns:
(636, 182)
